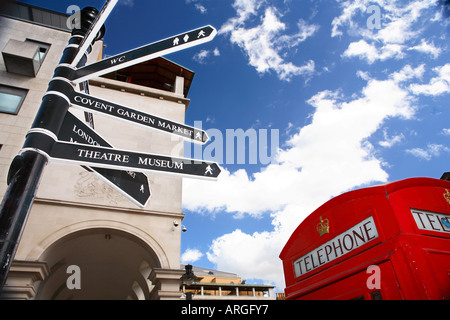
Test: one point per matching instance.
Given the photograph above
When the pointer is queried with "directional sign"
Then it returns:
(120, 159)
(133, 185)
(94, 29)
(145, 53)
(117, 111)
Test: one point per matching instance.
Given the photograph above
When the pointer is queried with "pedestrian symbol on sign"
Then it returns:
(208, 170)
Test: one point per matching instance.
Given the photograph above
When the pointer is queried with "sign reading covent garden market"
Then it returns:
(104, 107)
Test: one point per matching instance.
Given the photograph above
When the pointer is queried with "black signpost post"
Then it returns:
(53, 135)
(26, 169)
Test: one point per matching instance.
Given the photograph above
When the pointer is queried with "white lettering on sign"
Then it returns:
(136, 116)
(93, 103)
(108, 156)
(431, 221)
(353, 238)
(115, 60)
(161, 163)
(176, 129)
(84, 136)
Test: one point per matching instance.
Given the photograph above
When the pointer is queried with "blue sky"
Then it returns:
(357, 91)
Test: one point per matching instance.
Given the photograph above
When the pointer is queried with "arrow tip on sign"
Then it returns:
(207, 32)
(213, 31)
(205, 137)
(199, 136)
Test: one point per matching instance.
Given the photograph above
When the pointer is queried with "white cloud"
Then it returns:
(370, 52)
(398, 26)
(397, 19)
(198, 6)
(126, 3)
(432, 150)
(244, 10)
(201, 8)
(191, 256)
(202, 56)
(323, 159)
(408, 73)
(438, 85)
(398, 30)
(428, 48)
(349, 9)
(241, 252)
(265, 43)
(389, 142)
(363, 75)
(446, 131)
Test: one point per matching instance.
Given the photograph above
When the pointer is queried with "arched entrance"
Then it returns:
(112, 264)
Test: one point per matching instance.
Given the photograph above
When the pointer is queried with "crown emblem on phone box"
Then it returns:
(323, 227)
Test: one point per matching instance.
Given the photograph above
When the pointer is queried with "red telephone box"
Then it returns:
(385, 242)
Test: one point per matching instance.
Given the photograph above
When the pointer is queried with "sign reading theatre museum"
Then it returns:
(355, 237)
(123, 159)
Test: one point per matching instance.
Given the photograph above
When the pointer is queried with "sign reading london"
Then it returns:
(133, 185)
(144, 53)
(124, 113)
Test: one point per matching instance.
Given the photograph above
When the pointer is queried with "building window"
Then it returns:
(43, 49)
(24, 57)
(11, 99)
